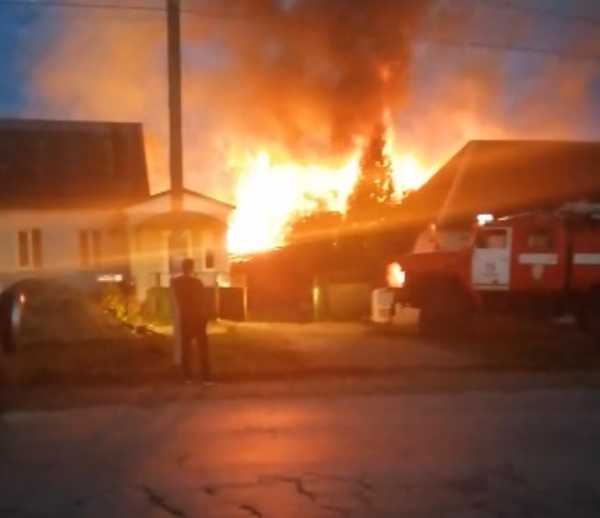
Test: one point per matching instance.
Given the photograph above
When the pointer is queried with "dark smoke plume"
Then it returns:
(301, 77)
(312, 72)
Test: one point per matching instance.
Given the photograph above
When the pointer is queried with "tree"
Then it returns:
(374, 187)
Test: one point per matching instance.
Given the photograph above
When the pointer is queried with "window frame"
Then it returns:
(90, 241)
(33, 249)
(483, 235)
(209, 250)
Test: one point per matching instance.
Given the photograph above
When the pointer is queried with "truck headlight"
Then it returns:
(396, 276)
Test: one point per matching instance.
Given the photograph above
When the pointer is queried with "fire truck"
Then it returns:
(544, 264)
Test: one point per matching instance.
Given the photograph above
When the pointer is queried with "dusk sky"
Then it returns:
(13, 36)
(26, 31)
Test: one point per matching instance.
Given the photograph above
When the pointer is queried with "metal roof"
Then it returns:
(508, 176)
(71, 164)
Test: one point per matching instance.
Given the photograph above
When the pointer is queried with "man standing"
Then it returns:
(193, 316)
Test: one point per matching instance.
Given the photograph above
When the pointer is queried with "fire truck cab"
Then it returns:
(546, 264)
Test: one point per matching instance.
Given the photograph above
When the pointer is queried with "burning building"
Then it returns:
(281, 96)
(332, 275)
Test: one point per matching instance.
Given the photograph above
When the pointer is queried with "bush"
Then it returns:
(120, 301)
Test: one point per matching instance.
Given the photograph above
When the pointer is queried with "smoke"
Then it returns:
(307, 79)
(102, 66)
(494, 73)
(301, 77)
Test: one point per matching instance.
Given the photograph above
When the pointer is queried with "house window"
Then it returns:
(24, 249)
(209, 252)
(90, 248)
(30, 249)
(177, 246)
(36, 241)
(84, 248)
(492, 238)
(209, 262)
(97, 247)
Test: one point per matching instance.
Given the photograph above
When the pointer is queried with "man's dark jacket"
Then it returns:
(189, 293)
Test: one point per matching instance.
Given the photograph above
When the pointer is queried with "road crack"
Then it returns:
(297, 482)
(253, 511)
(158, 501)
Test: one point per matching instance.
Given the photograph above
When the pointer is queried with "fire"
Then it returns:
(408, 173)
(271, 193)
(396, 276)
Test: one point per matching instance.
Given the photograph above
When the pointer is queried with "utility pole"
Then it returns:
(175, 118)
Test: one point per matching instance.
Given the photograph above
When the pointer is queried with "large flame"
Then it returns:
(271, 193)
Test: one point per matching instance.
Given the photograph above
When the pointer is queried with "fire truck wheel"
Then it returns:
(445, 312)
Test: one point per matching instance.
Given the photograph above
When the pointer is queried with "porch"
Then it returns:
(160, 238)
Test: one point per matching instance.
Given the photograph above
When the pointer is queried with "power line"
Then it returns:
(80, 5)
(75, 4)
(508, 48)
(507, 5)
(495, 4)
(500, 4)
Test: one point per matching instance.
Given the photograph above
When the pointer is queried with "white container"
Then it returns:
(382, 305)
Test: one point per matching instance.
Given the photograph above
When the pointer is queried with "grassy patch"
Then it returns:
(242, 352)
(234, 355)
(88, 361)
(67, 337)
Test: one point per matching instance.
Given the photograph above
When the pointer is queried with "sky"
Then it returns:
(13, 32)
(24, 32)
(456, 93)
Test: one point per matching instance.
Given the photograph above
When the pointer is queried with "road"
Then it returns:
(533, 453)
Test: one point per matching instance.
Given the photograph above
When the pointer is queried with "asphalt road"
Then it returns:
(473, 454)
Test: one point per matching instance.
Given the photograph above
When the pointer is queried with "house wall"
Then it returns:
(150, 254)
(60, 240)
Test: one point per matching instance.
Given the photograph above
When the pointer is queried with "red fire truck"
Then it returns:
(546, 264)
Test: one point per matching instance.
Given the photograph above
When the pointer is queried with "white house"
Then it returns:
(159, 239)
(75, 204)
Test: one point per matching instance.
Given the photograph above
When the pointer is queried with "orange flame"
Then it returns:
(270, 193)
(396, 276)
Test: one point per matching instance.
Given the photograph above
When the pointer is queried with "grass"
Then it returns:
(67, 337)
(233, 355)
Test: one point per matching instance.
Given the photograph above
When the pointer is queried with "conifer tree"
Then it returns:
(374, 187)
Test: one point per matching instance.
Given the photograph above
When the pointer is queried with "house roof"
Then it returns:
(504, 177)
(195, 203)
(71, 164)
(196, 195)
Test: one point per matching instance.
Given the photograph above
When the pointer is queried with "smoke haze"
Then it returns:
(305, 78)
(302, 77)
